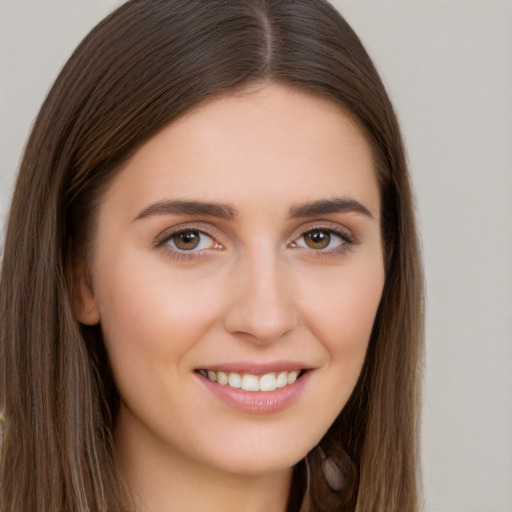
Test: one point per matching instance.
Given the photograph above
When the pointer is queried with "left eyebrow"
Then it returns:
(326, 206)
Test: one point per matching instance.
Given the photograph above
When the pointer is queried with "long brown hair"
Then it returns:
(140, 68)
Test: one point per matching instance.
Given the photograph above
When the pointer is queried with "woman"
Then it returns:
(211, 288)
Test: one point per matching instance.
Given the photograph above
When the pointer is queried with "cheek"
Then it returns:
(152, 320)
(346, 300)
(150, 315)
(341, 314)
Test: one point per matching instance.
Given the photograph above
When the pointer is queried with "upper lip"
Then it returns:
(256, 367)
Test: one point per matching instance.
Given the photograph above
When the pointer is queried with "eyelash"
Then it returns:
(167, 236)
(163, 240)
(346, 241)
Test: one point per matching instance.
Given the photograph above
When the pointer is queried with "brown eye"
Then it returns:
(317, 239)
(190, 240)
(322, 240)
(186, 240)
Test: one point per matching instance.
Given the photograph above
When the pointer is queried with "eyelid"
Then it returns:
(347, 240)
(333, 227)
(200, 227)
(341, 231)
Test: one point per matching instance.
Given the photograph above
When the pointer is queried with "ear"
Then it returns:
(85, 307)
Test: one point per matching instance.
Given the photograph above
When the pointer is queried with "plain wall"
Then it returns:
(448, 68)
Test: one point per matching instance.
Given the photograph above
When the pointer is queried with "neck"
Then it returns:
(162, 479)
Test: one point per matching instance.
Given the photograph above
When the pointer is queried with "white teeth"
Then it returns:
(235, 381)
(250, 382)
(268, 382)
(222, 378)
(282, 379)
(292, 377)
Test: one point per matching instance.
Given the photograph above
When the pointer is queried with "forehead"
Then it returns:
(271, 144)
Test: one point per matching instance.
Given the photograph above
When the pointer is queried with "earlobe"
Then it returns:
(85, 308)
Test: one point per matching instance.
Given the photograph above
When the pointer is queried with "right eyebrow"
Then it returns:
(189, 207)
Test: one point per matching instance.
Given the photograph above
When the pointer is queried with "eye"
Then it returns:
(322, 240)
(190, 240)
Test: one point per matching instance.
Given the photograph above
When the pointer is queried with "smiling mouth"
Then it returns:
(252, 382)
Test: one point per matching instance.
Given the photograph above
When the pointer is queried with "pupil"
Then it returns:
(187, 240)
(318, 239)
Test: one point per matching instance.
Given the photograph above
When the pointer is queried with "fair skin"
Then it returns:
(241, 241)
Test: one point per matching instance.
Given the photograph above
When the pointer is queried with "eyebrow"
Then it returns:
(225, 211)
(326, 206)
(222, 211)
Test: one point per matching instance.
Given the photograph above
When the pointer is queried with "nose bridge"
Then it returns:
(262, 306)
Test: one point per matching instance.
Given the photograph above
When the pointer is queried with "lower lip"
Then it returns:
(258, 402)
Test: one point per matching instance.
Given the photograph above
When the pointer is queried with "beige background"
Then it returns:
(448, 68)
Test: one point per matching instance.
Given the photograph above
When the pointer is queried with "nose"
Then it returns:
(261, 306)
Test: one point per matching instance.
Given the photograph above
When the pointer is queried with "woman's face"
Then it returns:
(242, 243)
